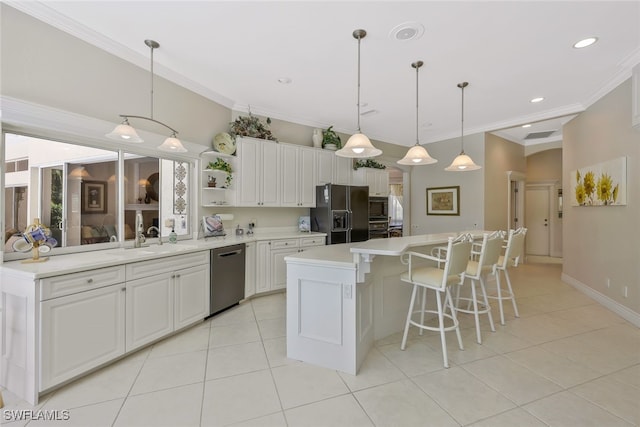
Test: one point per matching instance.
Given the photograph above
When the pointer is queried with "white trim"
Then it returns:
(624, 312)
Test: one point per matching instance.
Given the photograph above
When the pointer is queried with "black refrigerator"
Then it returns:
(342, 211)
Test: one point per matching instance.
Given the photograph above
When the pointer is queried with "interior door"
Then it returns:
(537, 221)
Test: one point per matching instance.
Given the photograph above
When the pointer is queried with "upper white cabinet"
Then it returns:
(324, 166)
(342, 170)
(260, 173)
(376, 179)
(298, 176)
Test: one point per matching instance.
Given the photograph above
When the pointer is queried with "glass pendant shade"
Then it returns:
(417, 155)
(462, 163)
(358, 146)
(172, 144)
(124, 132)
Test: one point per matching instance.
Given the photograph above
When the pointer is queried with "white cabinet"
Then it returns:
(223, 192)
(81, 331)
(259, 178)
(149, 310)
(297, 176)
(191, 295)
(342, 170)
(376, 179)
(250, 269)
(271, 268)
(324, 166)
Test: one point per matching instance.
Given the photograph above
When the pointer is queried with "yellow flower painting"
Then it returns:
(603, 184)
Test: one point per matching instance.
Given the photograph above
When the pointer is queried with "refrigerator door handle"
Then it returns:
(349, 224)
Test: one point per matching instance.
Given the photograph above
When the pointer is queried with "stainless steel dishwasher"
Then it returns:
(227, 277)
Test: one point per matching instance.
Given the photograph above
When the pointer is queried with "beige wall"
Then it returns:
(602, 242)
(501, 156)
(545, 166)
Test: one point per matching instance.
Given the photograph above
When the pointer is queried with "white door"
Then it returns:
(191, 295)
(248, 184)
(290, 179)
(149, 307)
(306, 178)
(279, 267)
(537, 221)
(270, 174)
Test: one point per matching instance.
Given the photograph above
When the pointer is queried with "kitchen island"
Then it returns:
(341, 298)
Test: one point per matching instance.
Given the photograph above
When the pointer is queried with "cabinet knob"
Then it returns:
(173, 276)
(89, 280)
(123, 289)
(177, 276)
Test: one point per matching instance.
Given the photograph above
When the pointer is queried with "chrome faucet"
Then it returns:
(153, 227)
(139, 233)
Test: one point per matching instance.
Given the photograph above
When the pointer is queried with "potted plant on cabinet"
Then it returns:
(331, 140)
(251, 126)
(221, 165)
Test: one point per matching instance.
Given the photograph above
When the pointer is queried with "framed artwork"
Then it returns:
(94, 197)
(443, 201)
(602, 184)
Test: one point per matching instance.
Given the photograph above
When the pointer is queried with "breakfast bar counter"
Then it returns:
(341, 298)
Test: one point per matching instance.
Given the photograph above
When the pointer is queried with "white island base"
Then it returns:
(341, 298)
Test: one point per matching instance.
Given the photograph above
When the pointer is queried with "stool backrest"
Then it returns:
(515, 247)
(491, 248)
(458, 252)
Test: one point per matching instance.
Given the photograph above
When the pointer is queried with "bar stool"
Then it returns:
(487, 258)
(439, 281)
(514, 251)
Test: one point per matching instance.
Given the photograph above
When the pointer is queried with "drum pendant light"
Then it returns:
(462, 163)
(417, 155)
(126, 132)
(359, 146)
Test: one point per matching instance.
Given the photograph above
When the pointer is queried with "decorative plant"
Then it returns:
(251, 126)
(368, 163)
(222, 165)
(329, 136)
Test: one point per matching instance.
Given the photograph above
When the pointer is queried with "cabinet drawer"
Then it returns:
(312, 241)
(138, 270)
(67, 284)
(284, 243)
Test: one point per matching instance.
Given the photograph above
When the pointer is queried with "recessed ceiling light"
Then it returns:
(407, 31)
(526, 126)
(284, 80)
(585, 42)
(539, 99)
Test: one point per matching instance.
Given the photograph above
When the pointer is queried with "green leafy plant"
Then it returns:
(329, 136)
(251, 126)
(368, 163)
(222, 165)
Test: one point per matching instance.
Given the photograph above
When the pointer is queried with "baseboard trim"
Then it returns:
(612, 305)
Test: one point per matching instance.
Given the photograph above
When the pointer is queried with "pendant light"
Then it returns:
(462, 163)
(126, 132)
(359, 146)
(417, 155)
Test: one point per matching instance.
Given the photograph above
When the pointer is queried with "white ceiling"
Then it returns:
(234, 52)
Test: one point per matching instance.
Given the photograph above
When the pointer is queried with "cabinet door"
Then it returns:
(81, 331)
(191, 295)
(279, 267)
(263, 267)
(290, 180)
(306, 178)
(149, 309)
(381, 183)
(270, 174)
(248, 178)
(342, 170)
(250, 269)
(324, 167)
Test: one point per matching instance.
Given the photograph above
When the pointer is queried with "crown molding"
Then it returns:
(624, 72)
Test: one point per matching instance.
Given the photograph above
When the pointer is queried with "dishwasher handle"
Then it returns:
(226, 254)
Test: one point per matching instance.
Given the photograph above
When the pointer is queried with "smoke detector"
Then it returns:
(407, 31)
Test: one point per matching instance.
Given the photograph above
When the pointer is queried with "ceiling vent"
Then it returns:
(540, 135)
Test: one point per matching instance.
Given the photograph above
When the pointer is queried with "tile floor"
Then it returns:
(567, 361)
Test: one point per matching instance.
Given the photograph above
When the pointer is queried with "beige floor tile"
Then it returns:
(276, 350)
(271, 420)
(472, 350)
(462, 395)
(272, 328)
(242, 313)
(559, 369)
(337, 411)
(565, 409)
(170, 371)
(418, 358)
(512, 380)
(179, 406)
(375, 370)
(239, 398)
(270, 306)
(109, 383)
(541, 329)
(618, 398)
(504, 342)
(239, 333)
(97, 415)
(629, 375)
(301, 383)
(402, 403)
(235, 359)
(515, 417)
(193, 339)
(593, 316)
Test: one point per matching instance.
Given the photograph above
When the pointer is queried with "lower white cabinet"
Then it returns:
(191, 295)
(149, 310)
(81, 331)
(250, 269)
(279, 266)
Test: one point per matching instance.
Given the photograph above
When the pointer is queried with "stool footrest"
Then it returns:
(434, 328)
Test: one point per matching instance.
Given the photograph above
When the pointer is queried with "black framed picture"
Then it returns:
(94, 197)
(443, 201)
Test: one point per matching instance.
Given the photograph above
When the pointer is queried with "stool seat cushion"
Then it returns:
(472, 268)
(510, 263)
(429, 276)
